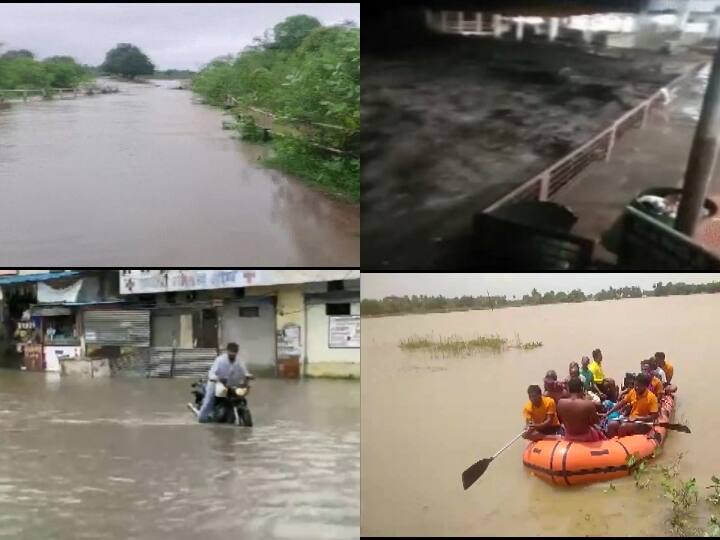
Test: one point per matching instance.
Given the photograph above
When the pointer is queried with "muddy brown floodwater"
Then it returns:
(424, 420)
(124, 458)
(148, 177)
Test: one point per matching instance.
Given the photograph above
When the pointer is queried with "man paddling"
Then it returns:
(579, 414)
(643, 407)
(540, 416)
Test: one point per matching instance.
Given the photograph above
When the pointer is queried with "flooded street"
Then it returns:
(124, 458)
(148, 177)
(426, 419)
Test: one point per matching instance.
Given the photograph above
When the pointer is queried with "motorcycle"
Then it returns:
(230, 405)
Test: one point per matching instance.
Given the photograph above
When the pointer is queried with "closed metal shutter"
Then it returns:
(169, 362)
(117, 327)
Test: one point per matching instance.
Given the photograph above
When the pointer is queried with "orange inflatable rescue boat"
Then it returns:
(566, 463)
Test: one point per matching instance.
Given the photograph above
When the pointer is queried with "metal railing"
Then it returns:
(295, 123)
(560, 174)
(41, 92)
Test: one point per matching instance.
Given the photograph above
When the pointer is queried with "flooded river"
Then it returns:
(425, 420)
(123, 458)
(148, 177)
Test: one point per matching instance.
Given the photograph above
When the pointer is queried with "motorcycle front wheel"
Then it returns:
(245, 417)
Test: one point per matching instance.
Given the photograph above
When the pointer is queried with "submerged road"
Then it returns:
(123, 458)
(148, 177)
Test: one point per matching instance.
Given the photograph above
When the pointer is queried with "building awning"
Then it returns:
(34, 278)
(49, 311)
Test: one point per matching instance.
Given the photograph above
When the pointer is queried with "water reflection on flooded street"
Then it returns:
(124, 458)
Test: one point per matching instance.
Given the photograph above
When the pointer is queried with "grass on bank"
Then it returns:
(457, 346)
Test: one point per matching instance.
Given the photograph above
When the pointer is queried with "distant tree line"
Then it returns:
(393, 305)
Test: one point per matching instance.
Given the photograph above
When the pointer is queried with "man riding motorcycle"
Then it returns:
(227, 370)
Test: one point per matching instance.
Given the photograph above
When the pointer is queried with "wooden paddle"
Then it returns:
(667, 425)
(476, 470)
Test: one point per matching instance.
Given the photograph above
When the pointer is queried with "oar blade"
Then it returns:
(475, 471)
(680, 427)
(675, 427)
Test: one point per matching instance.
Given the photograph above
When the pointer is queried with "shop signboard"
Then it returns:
(158, 281)
(154, 281)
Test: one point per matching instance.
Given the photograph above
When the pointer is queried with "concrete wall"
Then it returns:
(255, 336)
(323, 361)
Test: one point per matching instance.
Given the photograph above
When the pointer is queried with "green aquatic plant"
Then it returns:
(713, 527)
(683, 495)
(453, 345)
(641, 470)
(458, 346)
(714, 497)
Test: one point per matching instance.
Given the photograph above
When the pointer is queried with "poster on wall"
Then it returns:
(288, 341)
(344, 332)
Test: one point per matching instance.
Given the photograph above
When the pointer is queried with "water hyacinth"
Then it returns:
(457, 346)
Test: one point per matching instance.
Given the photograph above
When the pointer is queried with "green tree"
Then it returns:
(289, 34)
(64, 71)
(127, 60)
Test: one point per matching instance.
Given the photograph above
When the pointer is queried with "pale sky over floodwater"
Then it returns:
(181, 36)
(381, 285)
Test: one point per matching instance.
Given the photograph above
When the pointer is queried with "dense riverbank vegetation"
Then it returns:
(396, 305)
(307, 77)
(20, 70)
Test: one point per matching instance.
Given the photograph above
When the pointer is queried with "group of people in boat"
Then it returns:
(586, 406)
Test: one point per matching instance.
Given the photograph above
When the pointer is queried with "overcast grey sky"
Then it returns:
(380, 285)
(183, 36)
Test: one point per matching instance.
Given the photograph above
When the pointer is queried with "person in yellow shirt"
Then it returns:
(669, 371)
(642, 405)
(540, 415)
(596, 369)
(608, 388)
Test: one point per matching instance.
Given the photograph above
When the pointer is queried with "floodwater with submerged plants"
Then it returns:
(440, 415)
